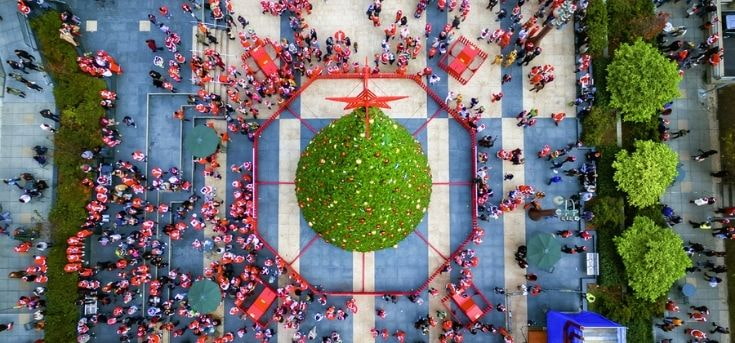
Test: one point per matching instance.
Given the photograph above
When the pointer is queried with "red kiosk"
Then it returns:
(262, 57)
(462, 60)
(468, 306)
(264, 61)
(261, 304)
(262, 301)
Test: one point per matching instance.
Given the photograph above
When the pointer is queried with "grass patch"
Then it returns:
(77, 97)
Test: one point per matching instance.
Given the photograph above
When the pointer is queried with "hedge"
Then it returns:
(727, 154)
(77, 97)
(618, 304)
(598, 127)
(644, 131)
(363, 193)
(599, 74)
(596, 20)
(605, 184)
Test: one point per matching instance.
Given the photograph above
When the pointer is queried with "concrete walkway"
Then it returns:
(443, 139)
(19, 132)
(690, 114)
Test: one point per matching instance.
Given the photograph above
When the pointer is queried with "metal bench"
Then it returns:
(593, 263)
(90, 306)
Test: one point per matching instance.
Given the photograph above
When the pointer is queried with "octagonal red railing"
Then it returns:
(442, 107)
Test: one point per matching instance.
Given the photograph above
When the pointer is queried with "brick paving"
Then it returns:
(689, 113)
(19, 132)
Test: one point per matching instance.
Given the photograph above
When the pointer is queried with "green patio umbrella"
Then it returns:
(543, 250)
(202, 141)
(204, 296)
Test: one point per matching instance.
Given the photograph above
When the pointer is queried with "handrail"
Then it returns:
(3, 78)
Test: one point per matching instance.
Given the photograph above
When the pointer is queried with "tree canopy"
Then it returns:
(363, 193)
(640, 80)
(645, 173)
(654, 258)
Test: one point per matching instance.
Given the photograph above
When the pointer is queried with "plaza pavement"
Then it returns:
(19, 132)
(120, 28)
(689, 113)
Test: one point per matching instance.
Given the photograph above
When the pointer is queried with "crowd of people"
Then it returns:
(241, 265)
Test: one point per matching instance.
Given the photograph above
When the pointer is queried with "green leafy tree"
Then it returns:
(640, 80)
(653, 256)
(645, 173)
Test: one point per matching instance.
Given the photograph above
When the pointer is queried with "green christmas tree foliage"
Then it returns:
(363, 193)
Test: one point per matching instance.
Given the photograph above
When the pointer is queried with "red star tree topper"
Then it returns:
(366, 99)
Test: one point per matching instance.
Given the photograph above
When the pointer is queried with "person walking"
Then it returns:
(720, 174)
(152, 45)
(703, 155)
(486, 141)
(719, 329)
(47, 127)
(25, 55)
(165, 12)
(18, 77)
(6, 327)
(433, 79)
(46, 113)
(15, 91)
(17, 66)
(34, 86)
(31, 65)
(701, 201)
(201, 38)
(456, 22)
(679, 134)
(701, 225)
(554, 179)
(713, 280)
(129, 121)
